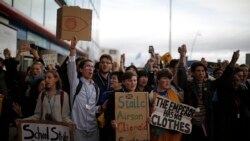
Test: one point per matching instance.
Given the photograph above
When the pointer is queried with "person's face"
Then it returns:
(132, 70)
(142, 81)
(245, 72)
(199, 73)
(6, 54)
(218, 74)
(41, 86)
(130, 84)
(114, 82)
(204, 62)
(237, 79)
(36, 70)
(50, 81)
(87, 70)
(164, 83)
(240, 76)
(105, 65)
(1, 64)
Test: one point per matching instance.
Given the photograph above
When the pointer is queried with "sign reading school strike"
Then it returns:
(33, 130)
(131, 113)
(171, 115)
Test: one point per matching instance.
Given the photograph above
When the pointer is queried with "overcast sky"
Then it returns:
(211, 28)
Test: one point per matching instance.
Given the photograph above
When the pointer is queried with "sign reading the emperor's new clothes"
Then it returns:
(44, 131)
(171, 115)
(131, 113)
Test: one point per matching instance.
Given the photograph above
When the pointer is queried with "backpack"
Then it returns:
(79, 87)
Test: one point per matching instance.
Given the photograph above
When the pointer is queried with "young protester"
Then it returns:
(142, 82)
(115, 84)
(83, 102)
(102, 77)
(53, 102)
(199, 94)
(164, 88)
(30, 88)
(129, 81)
(4, 104)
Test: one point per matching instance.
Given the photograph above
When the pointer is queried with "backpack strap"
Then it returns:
(78, 88)
(42, 97)
(97, 92)
(248, 83)
(62, 99)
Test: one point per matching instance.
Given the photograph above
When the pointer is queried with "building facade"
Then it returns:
(35, 20)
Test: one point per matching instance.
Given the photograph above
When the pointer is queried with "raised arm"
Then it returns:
(73, 47)
(180, 74)
(122, 63)
(235, 58)
(71, 67)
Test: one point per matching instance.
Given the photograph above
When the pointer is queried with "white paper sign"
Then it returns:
(50, 59)
(44, 132)
(171, 115)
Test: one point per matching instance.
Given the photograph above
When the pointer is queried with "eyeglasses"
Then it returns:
(103, 62)
(89, 67)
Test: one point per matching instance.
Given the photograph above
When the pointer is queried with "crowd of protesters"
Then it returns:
(88, 89)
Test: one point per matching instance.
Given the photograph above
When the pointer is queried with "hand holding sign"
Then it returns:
(114, 124)
(73, 46)
(72, 127)
(73, 43)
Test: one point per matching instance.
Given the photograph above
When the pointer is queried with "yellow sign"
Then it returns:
(166, 58)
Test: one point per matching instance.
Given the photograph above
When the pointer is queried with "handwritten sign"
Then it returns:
(171, 115)
(50, 59)
(131, 113)
(44, 131)
(74, 21)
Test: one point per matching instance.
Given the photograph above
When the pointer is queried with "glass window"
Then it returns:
(8, 1)
(51, 15)
(37, 11)
(112, 51)
(23, 5)
(31, 8)
(70, 2)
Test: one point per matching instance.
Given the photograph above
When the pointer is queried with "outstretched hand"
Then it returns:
(236, 55)
(73, 46)
(17, 108)
(182, 50)
(73, 43)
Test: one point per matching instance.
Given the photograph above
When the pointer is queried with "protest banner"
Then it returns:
(131, 113)
(172, 115)
(34, 130)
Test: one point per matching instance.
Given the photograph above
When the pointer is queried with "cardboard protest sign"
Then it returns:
(171, 115)
(74, 21)
(31, 130)
(131, 113)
